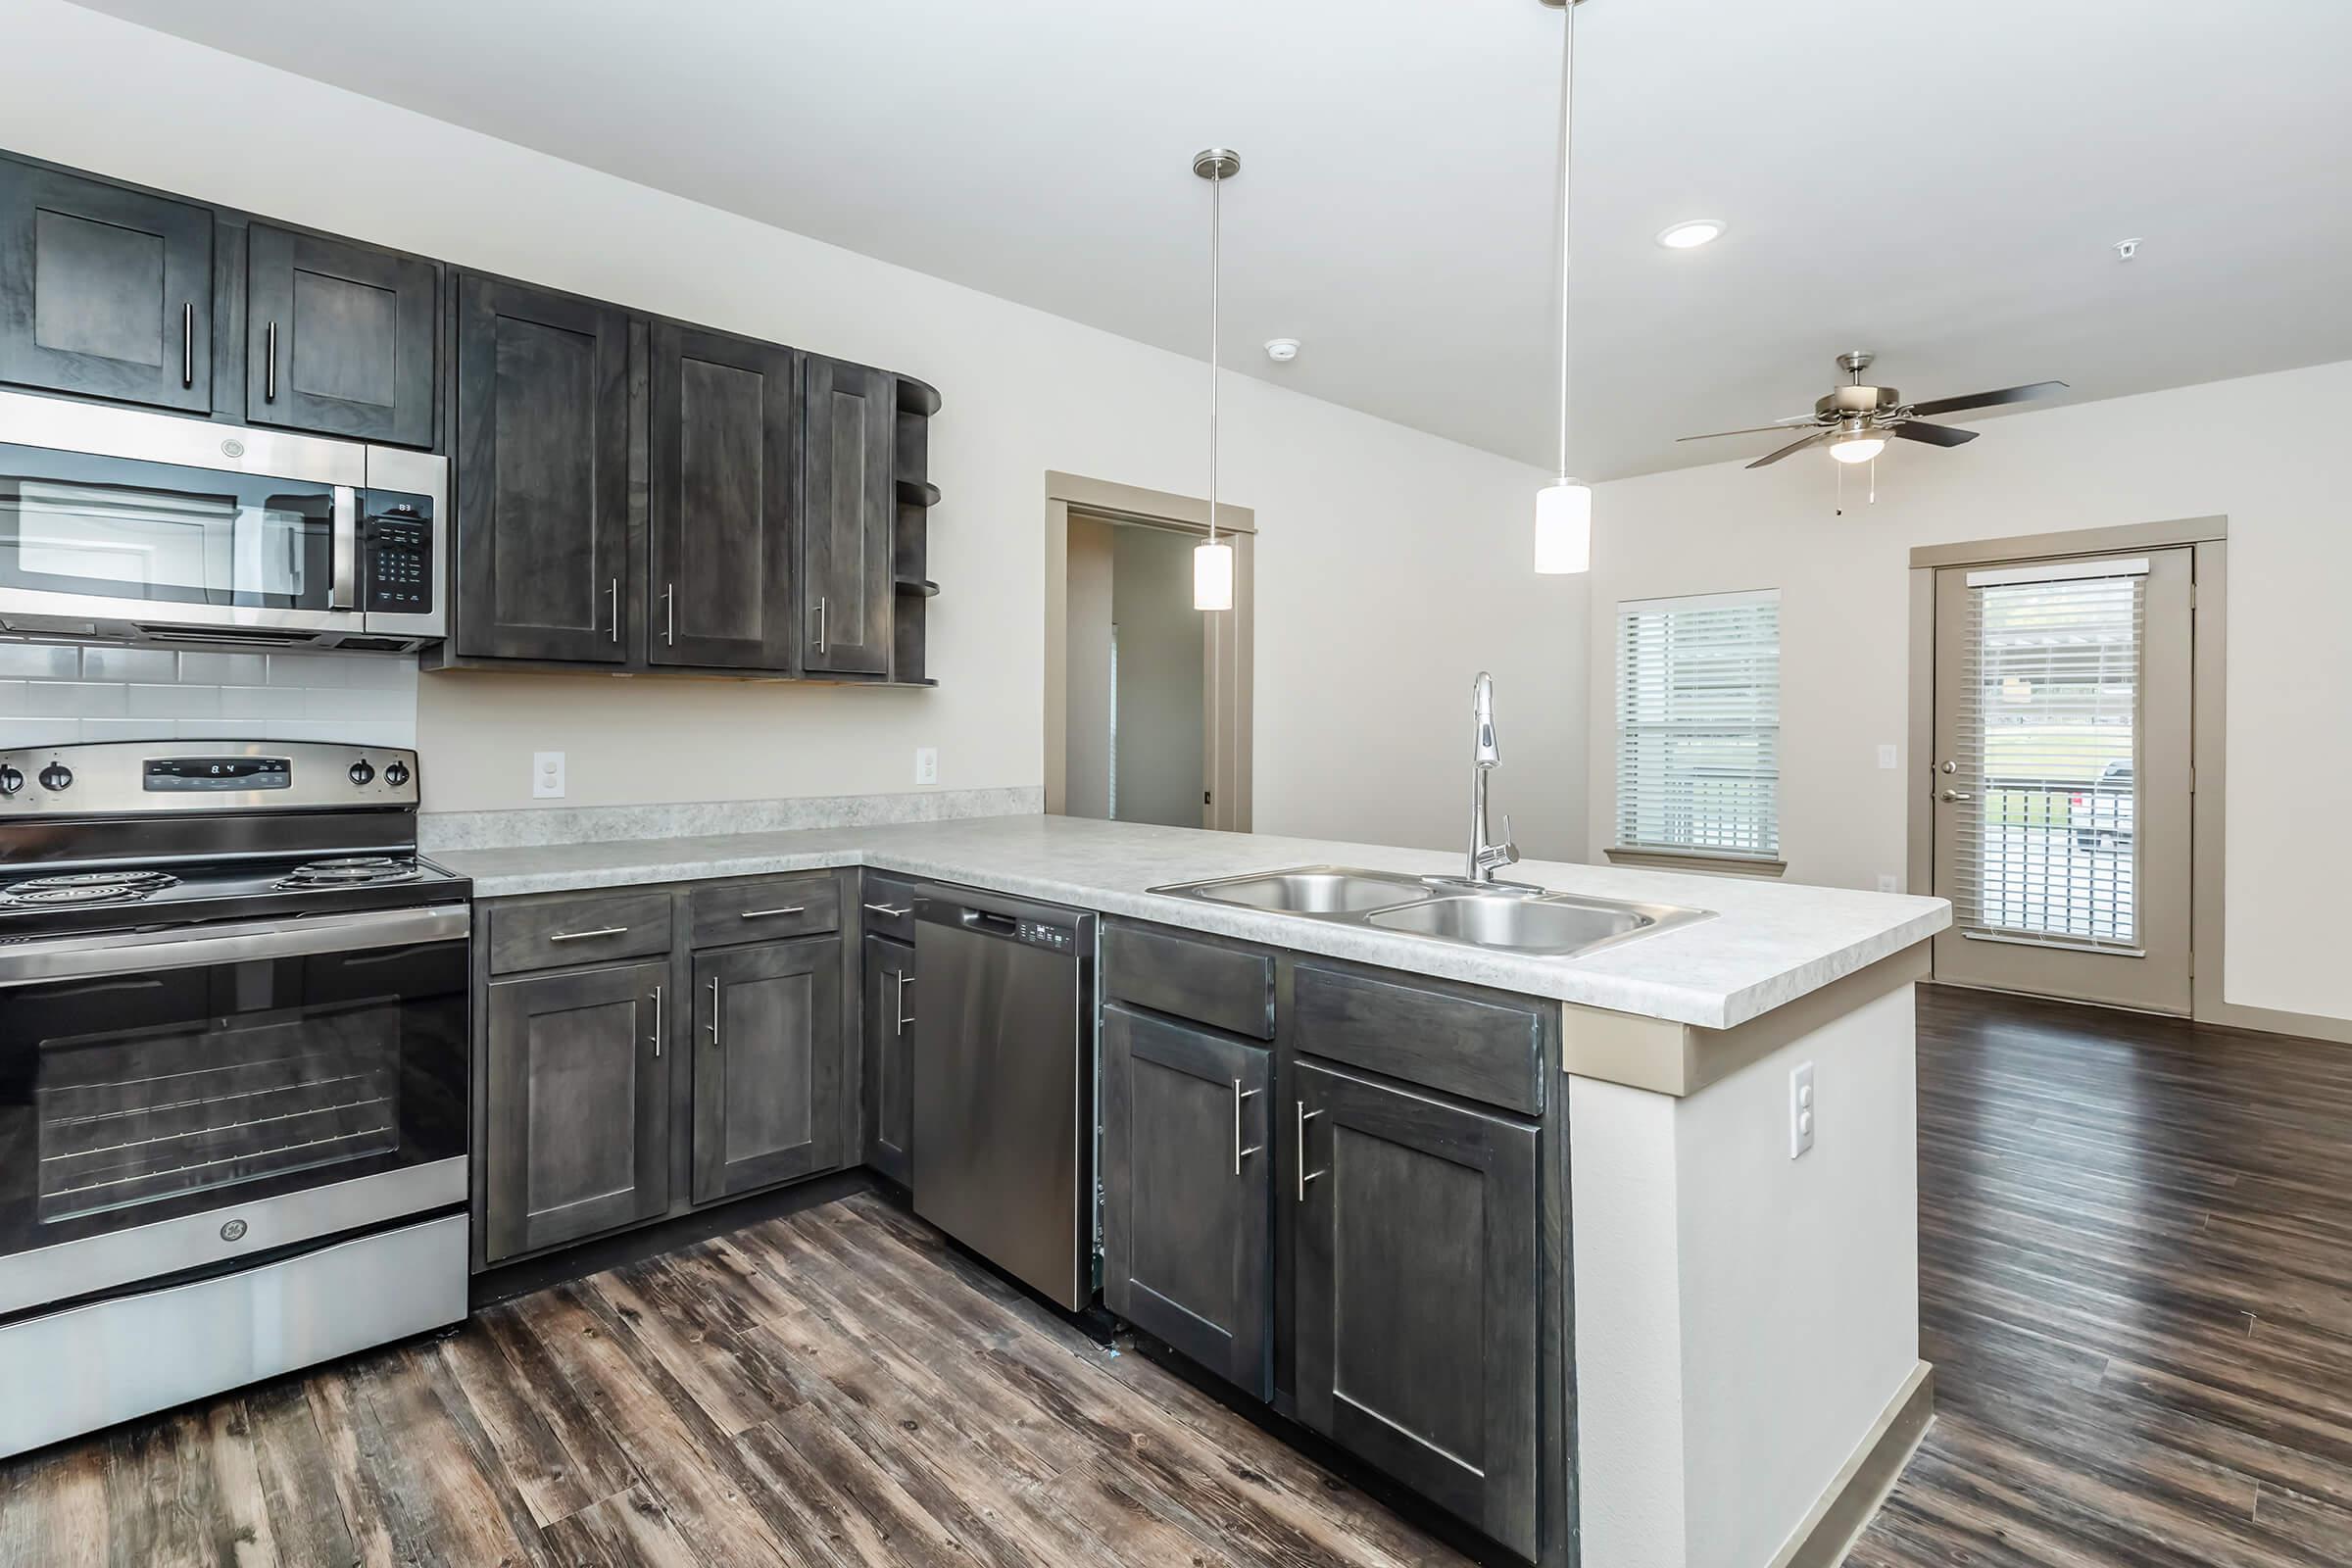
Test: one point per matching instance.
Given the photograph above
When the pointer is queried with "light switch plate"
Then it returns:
(1887, 758)
(926, 764)
(547, 775)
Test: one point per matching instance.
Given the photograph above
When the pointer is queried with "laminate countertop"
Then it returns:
(1768, 943)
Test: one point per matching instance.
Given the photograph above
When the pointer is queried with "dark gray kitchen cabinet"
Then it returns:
(577, 1093)
(1188, 1190)
(339, 337)
(725, 427)
(104, 291)
(541, 474)
(889, 1031)
(769, 1065)
(1419, 1292)
(847, 502)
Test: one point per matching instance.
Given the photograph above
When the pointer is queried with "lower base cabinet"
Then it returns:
(768, 1066)
(889, 1031)
(1417, 1291)
(1187, 1239)
(577, 1101)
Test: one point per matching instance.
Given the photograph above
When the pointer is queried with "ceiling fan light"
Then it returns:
(1563, 529)
(1857, 446)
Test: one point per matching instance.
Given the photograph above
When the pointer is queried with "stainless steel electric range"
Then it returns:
(232, 1072)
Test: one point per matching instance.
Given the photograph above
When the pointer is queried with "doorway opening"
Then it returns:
(1146, 699)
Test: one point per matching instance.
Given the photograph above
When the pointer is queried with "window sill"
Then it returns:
(1698, 860)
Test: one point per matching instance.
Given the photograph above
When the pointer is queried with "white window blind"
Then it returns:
(2049, 703)
(1699, 725)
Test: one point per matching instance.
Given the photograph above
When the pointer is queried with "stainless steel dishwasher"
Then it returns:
(1005, 1083)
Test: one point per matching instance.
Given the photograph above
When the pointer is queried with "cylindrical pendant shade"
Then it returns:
(1564, 528)
(1213, 576)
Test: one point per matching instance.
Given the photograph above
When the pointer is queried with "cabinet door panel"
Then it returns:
(104, 291)
(767, 1069)
(1418, 1293)
(578, 1107)
(541, 474)
(889, 1018)
(1187, 1183)
(726, 415)
(846, 597)
(339, 338)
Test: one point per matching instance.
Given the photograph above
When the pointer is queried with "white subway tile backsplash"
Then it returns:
(76, 699)
(123, 729)
(129, 664)
(224, 669)
(262, 702)
(16, 733)
(174, 702)
(53, 695)
(39, 662)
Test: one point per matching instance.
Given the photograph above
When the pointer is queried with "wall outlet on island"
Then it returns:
(1887, 882)
(547, 775)
(1801, 1110)
(926, 764)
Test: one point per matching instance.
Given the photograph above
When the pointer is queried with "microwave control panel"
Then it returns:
(399, 555)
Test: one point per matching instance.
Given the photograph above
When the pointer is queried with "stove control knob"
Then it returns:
(55, 776)
(10, 780)
(396, 774)
(361, 772)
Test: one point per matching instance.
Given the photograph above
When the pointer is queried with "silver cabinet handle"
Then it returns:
(1304, 1175)
(187, 343)
(1957, 795)
(884, 908)
(584, 936)
(897, 1010)
(761, 914)
(657, 1023)
(669, 613)
(820, 625)
(714, 1009)
(1238, 1153)
(613, 589)
(269, 368)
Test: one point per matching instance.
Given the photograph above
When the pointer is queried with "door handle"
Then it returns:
(1238, 1153)
(820, 625)
(898, 1009)
(715, 1011)
(269, 368)
(1957, 795)
(670, 614)
(657, 1023)
(187, 343)
(613, 589)
(343, 586)
(1304, 1175)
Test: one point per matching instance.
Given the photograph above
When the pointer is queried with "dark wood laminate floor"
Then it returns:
(835, 1389)
(2135, 1267)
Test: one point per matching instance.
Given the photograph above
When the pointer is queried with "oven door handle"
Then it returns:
(343, 590)
(120, 952)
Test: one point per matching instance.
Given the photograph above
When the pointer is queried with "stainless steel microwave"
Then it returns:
(123, 526)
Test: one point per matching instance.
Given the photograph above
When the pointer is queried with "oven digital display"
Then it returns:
(220, 773)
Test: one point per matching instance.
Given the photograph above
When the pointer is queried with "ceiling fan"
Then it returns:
(1854, 420)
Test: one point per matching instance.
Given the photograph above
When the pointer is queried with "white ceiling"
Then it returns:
(1937, 182)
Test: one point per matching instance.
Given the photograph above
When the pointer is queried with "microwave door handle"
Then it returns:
(343, 592)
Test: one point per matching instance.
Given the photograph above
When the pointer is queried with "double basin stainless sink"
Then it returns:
(1499, 917)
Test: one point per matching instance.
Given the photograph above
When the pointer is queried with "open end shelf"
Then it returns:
(916, 493)
(924, 586)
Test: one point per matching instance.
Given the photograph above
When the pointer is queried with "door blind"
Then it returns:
(1699, 725)
(2047, 731)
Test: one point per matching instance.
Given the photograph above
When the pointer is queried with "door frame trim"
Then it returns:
(2209, 540)
(1227, 648)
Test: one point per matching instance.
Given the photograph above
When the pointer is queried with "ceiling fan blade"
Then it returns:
(1753, 429)
(1814, 439)
(1934, 436)
(1987, 400)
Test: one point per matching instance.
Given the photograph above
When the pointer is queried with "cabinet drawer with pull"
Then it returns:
(569, 931)
(727, 912)
(888, 907)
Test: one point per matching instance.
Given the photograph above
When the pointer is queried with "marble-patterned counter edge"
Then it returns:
(1768, 946)
(441, 832)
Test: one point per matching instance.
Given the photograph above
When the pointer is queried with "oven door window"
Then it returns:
(113, 529)
(146, 1097)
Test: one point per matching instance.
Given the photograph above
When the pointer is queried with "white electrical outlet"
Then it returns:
(1887, 882)
(1801, 1110)
(547, 775)
(1887, 758)
(926, 764)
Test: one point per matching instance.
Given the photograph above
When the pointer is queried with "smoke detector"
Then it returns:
(2125, 249)
(1281, 350)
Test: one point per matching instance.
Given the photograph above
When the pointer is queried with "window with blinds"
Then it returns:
(2049, 706)
(1699, 725)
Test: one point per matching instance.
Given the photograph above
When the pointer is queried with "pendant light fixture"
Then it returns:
(1213, 562)
(1564, 507)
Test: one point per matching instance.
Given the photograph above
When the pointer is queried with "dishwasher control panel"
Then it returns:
(1038, 934)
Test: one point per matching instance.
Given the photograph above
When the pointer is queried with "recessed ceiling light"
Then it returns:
(1692, 233)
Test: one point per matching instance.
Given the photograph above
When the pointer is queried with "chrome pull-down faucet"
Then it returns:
(1485, 854)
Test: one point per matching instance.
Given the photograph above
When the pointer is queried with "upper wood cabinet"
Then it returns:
(104, 291)
(848, 502)
(338, 337)
(725, 442)
(541, 472)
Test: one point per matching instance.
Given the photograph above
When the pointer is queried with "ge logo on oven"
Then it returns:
(233, 1231)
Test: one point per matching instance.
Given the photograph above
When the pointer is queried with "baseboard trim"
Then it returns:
(1829, 1529)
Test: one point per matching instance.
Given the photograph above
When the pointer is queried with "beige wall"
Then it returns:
(1391, 564)
(2264, 451)
(1087, 671)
